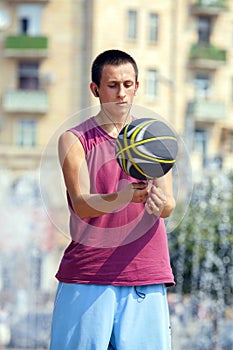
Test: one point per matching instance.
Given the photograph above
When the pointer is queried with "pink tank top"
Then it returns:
(127, 247)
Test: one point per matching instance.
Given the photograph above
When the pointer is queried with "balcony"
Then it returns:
(207, 111)
(26, 101)
(25, 46)
(29, 1)
(209, 7)
(206, 56)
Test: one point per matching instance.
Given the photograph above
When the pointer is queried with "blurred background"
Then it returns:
(184, 50)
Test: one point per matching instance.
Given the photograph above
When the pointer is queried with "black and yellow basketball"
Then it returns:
(146, 148)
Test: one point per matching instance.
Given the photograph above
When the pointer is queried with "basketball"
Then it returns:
(146, 148)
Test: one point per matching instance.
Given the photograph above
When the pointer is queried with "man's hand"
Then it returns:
(156, 201)
(136, 192)
(140, 192)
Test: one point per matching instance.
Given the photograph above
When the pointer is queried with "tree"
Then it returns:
(201, 246)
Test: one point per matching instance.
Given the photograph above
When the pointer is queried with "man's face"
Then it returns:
(117, 87)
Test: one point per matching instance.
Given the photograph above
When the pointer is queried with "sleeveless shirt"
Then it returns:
(127, 247)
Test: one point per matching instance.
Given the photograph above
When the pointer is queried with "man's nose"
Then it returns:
(121, 91)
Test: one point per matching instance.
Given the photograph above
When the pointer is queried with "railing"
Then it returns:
(209, 7)
(207, 52)
(212, 3)
(26, 45)
(28, 1)
(26, 101)
(207, 111)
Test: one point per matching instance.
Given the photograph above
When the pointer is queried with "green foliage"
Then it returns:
(25, 42)
(207, 52)
(201, 246)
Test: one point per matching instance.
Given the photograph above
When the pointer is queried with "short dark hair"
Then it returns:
(110, 57)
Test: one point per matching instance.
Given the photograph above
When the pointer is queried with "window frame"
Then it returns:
(26, 132)
(28, 75)
(204, 30)
(151, 83)
(202, 92)
(29, 19)
(132, 24)
(153, 27)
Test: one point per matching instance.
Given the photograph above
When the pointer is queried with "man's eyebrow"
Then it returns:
(116, 81)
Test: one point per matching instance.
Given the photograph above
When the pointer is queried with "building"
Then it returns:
(184, 50)
(209, 82)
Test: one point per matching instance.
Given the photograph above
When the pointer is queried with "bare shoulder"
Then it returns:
(69, 146)
(67, 139)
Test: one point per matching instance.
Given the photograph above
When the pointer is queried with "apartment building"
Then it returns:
(183, 49)
(209, 82)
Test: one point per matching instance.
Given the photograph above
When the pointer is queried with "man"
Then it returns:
(114, 273)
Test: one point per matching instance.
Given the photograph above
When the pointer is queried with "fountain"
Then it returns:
(200, 241)
(26, 242)
(202, 255)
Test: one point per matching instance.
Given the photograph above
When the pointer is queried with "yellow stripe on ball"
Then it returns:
(146, 148)
(133, 146)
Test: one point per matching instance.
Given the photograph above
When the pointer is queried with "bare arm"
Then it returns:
(77, 181)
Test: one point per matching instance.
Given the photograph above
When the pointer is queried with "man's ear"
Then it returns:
(136, 87)
(94, 89)
(96, 92)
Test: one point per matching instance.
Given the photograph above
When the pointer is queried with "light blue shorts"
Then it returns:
(97, 317)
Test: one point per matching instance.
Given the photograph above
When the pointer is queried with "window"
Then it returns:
(132, 24)
(231, 90)
(29, 19)
(26, 133)
(204, 30)
(153, 27)
(202, 86)
(200, 140)
(151, 83)
(24, 25)
(28, 76)
(200, 143)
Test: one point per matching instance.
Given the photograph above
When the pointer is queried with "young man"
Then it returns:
(114, 273)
